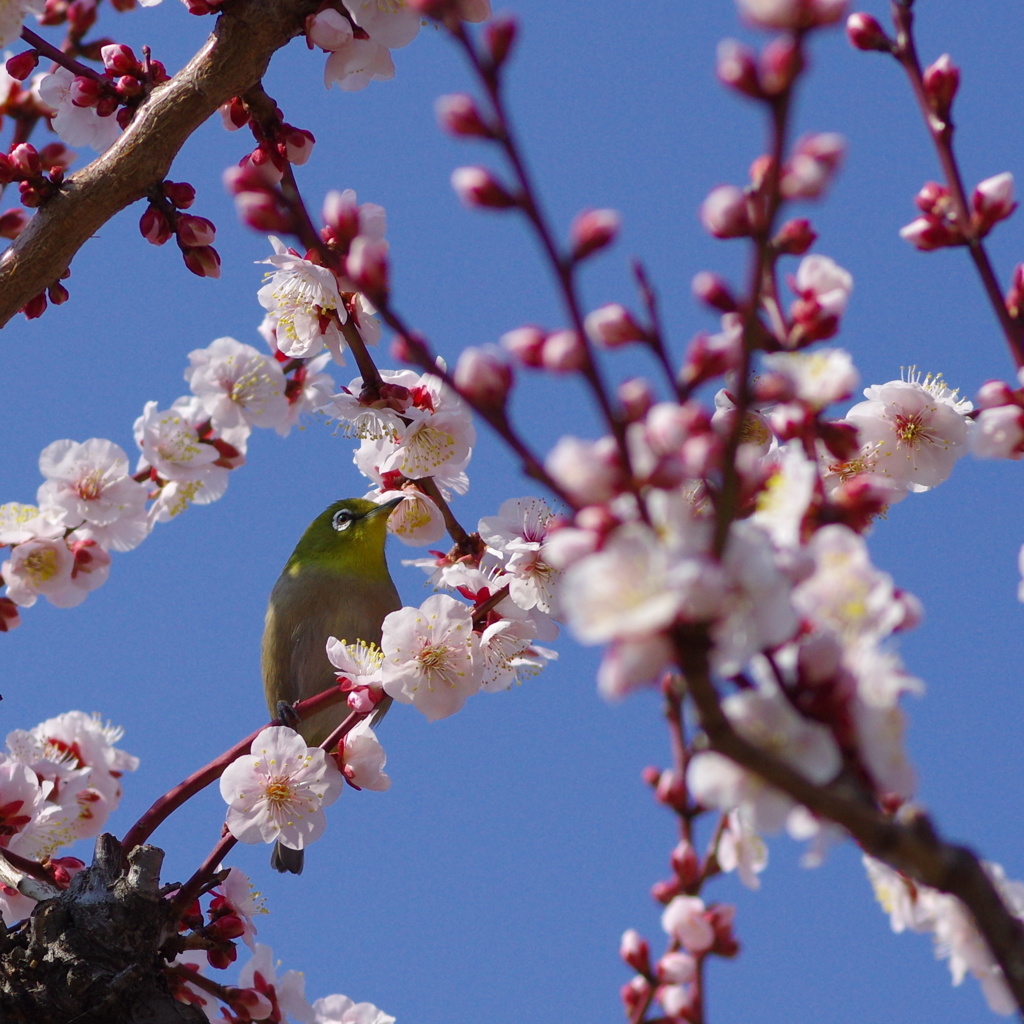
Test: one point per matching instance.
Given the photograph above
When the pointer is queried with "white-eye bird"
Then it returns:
(336, 583)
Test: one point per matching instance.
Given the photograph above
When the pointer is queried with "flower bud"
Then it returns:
(736, 67)
(795, 237)
(865, 33)
(13, 222)
(367, 265)
(21, 65)
(180, 193)
(193, 231)
(612, 325)
(634, 951)
(500, 36)
(712, 290)
(202, 260)
(120, 60)
(724, 213)
(563, 352)
(941, 81)
(525, 343)
(476, 186)
(635, 993)
(992, 201)
(297, 144)
(483, 376)
(636, 396)
(592, 230)
(329, 29)
(458, 115)
(781, 63)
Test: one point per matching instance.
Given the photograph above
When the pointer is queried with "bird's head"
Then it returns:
(348, 538)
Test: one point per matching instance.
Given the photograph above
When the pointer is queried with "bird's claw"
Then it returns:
(286, 714)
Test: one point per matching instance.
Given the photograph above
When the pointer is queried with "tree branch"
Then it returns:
(232, 60)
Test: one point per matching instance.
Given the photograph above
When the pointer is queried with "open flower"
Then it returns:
(431, 657)
(279, 789)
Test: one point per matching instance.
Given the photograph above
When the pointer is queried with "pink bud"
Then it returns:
(724, 212)
(458, 114)
(233, 114)
(994, 393)
(736, 67)
(812, 166)
(634, 994)
(676, 968)
(795, 237)
(483, 376)
(329, 29)
(58, 294)
(35, 307)
(634, 951)
(781, 63)
(263, 211)
(13, 222)
(202, 260)
(926, 234)
(1015, 293)
(563, 352)
(592, 230)
(119, 59)
(941, 81)
(24, 159)
(612, 325)
(525, 343)
(865, 33)
(154, 226)
(500, 36)
(712, 290)
(636, 397)
(193, 231)
(180, 193)
(992, 201)
(298, 144)
(85, 92)
(476, 186)
(21, 65)
(367, 265)
(81, 15)
(686, 863)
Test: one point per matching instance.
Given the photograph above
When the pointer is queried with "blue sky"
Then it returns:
(493, 881)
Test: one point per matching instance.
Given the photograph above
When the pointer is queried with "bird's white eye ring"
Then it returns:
(342, 519)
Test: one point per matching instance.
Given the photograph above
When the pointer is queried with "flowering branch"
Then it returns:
(232, 60)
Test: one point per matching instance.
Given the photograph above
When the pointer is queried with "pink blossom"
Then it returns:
(685, 920)
(87, 485)
(431, 658)
(358, 63)
(278, 791)
(341, 1010)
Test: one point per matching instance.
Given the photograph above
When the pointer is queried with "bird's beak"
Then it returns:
(386, 506)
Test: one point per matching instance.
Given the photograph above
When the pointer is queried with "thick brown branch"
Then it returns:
(911, 846)
(233, 59)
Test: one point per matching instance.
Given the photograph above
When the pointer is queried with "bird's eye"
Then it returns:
(342, 518)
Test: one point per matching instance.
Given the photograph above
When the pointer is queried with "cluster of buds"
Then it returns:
(194, 235)
(39, 175)
(942, 226)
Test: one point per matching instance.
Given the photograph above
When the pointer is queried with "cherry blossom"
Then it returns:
(88, 489)
(364, 759)
(77, 126)
(431, 657)
(237, 386)
(342, 1010)
(287, 994)
(304, 304)
(278, 791)
(914, 430)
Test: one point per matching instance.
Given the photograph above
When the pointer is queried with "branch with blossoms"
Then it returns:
(708, 541)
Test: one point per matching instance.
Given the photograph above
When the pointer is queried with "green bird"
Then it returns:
(336, 583)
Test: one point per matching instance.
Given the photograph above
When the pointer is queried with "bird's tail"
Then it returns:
(285, 859)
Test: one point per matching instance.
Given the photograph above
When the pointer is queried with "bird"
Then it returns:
(336, 583)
